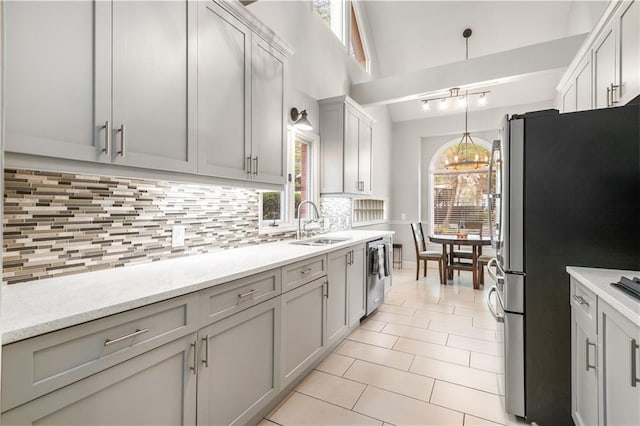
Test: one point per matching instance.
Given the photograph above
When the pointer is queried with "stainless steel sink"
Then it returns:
(322, 241)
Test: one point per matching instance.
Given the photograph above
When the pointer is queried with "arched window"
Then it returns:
(459, 195)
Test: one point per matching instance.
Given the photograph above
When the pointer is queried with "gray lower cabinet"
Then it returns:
(356, 284)
(238, 370)
(303, 328)
(584, 353)
(337, 315)
(155, 388)
(620, 368)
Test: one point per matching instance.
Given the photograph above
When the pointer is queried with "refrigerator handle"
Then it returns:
(490, 195)
(498, 279)
(498, 317)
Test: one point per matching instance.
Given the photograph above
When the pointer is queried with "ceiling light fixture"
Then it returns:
(443, 104)
(426, 106)
(482, 100)
(300, 120)
(466, 153)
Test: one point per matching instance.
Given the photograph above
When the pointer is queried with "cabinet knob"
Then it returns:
(634, 374)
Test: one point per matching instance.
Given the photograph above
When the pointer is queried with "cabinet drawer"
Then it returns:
(302, 272)
(583, 302)
(39, 365)
(226, 299)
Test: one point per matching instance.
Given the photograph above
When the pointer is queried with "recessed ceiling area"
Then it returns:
(415, 36)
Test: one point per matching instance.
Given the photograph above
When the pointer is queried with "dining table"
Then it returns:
(476, 242)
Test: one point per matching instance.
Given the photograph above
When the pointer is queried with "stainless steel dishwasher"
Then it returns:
(378, 272)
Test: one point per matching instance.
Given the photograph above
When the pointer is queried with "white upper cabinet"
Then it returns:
(268, 132)
(606, 71)
(346, 147)
(58, 86)
(627, 20)
(569, 98)
(182, 86)
(224, 101)
(154, 97)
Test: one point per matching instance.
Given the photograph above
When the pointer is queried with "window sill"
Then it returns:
(282, 228)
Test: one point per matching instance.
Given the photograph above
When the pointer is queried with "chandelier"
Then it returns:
(466, 155)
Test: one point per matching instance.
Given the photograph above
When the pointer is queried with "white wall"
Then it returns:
(583, 16)
(414, 143)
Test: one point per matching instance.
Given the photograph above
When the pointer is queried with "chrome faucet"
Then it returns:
(299, 234)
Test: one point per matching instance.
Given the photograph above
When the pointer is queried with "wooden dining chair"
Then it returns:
(458, 253)
(424, 255)
(483, 260)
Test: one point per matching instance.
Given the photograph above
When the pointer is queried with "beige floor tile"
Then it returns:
(476, 333)
(400, 310)
(375, 354)
(330, 388)
(401, 410)
(459, 321)
(390, 379)
(470, 420)
(300, 409)
(431, 350)
(402, 319)
(475, 345)
(491, 363)
(427, 306)
(480, 314)
(501, 383)
(373, 325)
(477, 403)
(335, 364)
(392, 299)
(265, 422)
(373, 338)
(416, 333)
(458, 374)
(490, 324)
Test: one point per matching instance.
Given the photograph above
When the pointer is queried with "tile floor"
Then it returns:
(431, 355)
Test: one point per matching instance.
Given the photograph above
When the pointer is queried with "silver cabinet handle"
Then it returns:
(255, 162)
(587, 344)
(249, 165)
(327, 284)
(580, 300)
(614, 87)
(195, 357)
(125, 337)
(123, 140)
(107, 137)
(608, 97)
(498, 317)
(306, 271)
(249, 293)
(205, 360)
(634, 374)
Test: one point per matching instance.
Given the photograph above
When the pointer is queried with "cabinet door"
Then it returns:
(620, 392)
(268, 132)
(240, 362)
(154, 97)
(58, 78)
(303, 328)
(365, 142)
(584, 394)
(628, 23)
(224, 95)
(604, 66)
(351, 132)
(357, 284)
(584, 85)
(155, 388)
(337, 317)
(569, 99)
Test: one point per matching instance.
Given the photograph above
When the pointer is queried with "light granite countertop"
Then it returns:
(599, 281)
(37, 307)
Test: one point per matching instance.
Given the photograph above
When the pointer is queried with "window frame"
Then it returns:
(434, 171)
(289, 222)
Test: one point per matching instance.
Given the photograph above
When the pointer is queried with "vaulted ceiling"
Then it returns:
(413, 36)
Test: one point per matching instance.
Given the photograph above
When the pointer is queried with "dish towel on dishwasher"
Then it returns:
(379, 261)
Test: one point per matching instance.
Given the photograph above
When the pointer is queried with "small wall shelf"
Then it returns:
(367, 211)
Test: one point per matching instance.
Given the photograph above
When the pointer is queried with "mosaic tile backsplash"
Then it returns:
(60, 223)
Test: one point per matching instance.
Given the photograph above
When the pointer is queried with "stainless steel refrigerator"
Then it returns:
(567, 192)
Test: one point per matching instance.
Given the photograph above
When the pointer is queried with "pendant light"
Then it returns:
(466, 154)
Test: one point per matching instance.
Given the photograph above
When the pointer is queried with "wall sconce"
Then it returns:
(300, 120)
